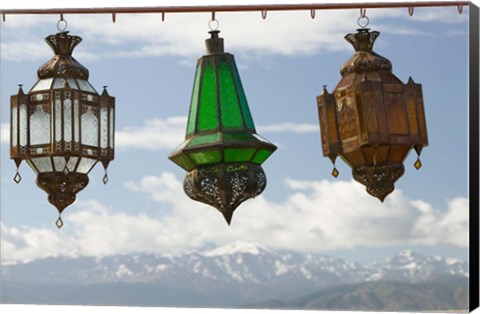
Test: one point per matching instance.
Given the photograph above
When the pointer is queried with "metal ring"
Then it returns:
(312, 13)
(210, 25)
(367, 20)
(65, 26)
(410, 10)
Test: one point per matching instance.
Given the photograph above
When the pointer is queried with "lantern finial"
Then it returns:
(63, 64)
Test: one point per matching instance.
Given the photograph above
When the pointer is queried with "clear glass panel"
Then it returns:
(85, 165)
(23, 125)
(42, 85)
(43, 164)
(208, 115)
(76, 121)
(192, 117)
(89, 128)
(13, 128)
(72, 83)
(58, 120)
(59, 163)
(112, 119)
(59, 83)
(67, 120)
(85, 86)
(104, 127)
(29, 162)
(39, 127)
(230, 109)
(72, 163)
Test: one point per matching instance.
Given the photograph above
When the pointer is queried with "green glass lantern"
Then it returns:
(221, 152)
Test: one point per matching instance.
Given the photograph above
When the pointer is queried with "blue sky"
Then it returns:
(149, 68)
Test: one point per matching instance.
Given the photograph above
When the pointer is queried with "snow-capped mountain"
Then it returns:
(230, 275)
(236, 263)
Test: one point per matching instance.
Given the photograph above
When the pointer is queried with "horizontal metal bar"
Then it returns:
(235, 8)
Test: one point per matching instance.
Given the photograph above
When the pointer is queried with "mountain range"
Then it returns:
(240, 274)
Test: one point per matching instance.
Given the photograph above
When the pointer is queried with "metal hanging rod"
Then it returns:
(263, 8)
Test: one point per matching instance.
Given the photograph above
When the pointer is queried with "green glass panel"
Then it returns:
(184, 162)
(207, 157)
(261, 156)
(243, 99)
(237, 137)
(229, 107)
(194, 103)
(238, 154)
(208, 116)
(204, 139)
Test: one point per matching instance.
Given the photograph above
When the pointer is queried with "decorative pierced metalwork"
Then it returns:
(372, 120)
(62, 127)
(221, 152)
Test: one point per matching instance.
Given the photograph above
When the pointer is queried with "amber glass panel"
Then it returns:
(194, 103)
(230, 109)
(238, 154)
(261, 156)
(207, 157)
(207, 116)
(204, 139)
(243, 100)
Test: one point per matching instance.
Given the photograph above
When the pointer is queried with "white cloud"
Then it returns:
(316, 216)
(160, 134)
(288, 127)
(145, 35)
(4, 133)
(155, 134)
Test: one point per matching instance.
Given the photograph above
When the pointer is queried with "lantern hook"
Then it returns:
(210, 24)
(3, 17)
(312, 13)
(60, 27)
(114, 17)
(163, 16)
(410, 10)
(264, 14)
(363, 12)
(460, 8)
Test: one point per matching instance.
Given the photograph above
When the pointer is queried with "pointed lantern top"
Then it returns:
(365, 59)
(63, 64)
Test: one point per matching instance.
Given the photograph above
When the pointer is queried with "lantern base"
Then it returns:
(379, 180)
(61, 188)
(225, 186)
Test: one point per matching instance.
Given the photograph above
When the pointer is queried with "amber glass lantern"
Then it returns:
(372, 120)
(222, 152)
(62, 127)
